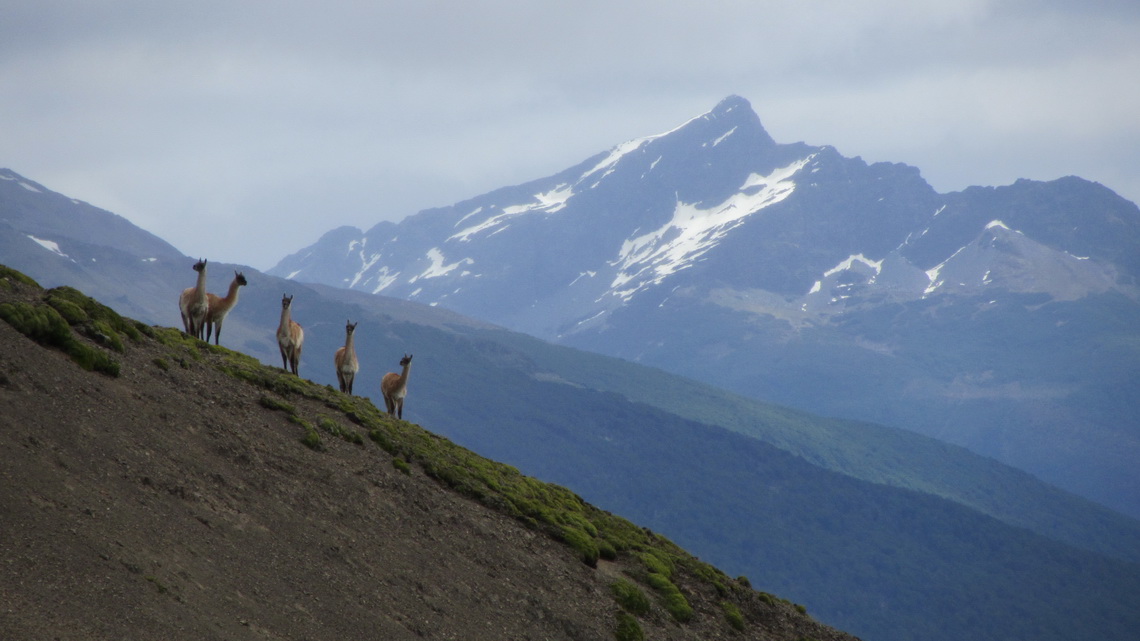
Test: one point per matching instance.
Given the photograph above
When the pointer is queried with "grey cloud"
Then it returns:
(351, 112)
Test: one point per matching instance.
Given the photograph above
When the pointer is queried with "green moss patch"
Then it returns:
(43, 324)
(630, 597)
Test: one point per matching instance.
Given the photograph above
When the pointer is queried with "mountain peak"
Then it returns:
(735, 111)
(732, 103)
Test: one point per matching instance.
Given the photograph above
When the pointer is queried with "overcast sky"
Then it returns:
(242, 131)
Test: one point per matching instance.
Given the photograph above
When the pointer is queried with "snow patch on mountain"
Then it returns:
(615, 155)
(650, 258)
(548, 202)
(876, 265)
(366, 264)
(609, 163)
(846, 265)
(439, 267)
(935, 273)
(723, 137)
(21, 183)
(49, 245)
(384, 278)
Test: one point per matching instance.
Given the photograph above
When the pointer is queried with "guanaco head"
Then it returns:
(405, 360)
(240, 278)
(286, 301)
(200, 265)
(350, 327)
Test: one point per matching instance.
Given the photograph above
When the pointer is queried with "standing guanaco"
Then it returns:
(193, 304)
(345, 359)
(290, 337)
(219, 307)
(394, 387)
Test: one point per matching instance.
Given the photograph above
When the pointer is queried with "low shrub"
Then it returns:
(630, 597)
(41, 324)
(336, 429)
(380, 437)
(70, 312)
(269, 402)
(657, 562)
(401, 465)
(628, 628)
(672, 600)
(312, 439)
(606, 550)
(93, 311)
(733, 615)
(45, 325)
(9, 274)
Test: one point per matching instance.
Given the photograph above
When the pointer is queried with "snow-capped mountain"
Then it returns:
(792, 273)
(715, 198)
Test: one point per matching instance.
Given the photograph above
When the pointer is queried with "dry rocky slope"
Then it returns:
(197, 494)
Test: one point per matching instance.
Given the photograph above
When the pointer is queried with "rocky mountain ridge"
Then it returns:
(639, 217)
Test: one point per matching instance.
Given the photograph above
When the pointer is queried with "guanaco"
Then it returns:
(345, 359)
(290, 337)
(394, 387)
(193, 304)
(219, 307)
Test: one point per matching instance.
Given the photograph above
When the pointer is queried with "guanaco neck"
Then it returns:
(349, 347)
(286, 318)
(200, 288)
(232, 295)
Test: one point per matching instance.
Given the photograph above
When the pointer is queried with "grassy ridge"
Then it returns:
(51, 319)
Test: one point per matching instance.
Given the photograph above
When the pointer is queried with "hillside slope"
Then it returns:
(187, 492)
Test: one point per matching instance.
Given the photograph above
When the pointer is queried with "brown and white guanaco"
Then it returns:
(290, 337)
(394, 387)
(193, 304)
(218, 307)
(345, 359)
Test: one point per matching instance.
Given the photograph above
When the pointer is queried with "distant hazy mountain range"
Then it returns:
(1002, 319)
